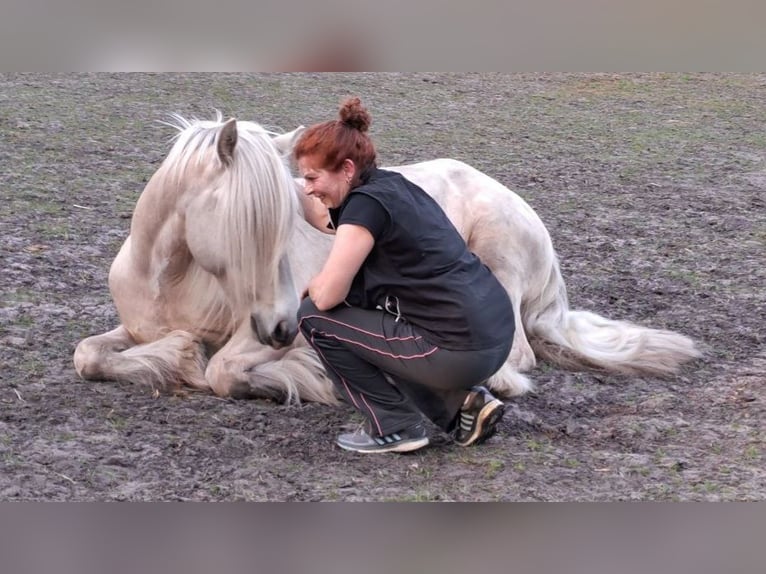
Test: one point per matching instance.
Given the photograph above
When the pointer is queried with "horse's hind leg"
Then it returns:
(522, 356)
(509, 381)
(168, 363)
(505, 254)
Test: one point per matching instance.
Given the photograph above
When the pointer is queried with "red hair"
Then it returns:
(332, 142)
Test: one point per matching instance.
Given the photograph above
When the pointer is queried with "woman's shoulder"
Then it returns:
(381, 180)
(377, 175)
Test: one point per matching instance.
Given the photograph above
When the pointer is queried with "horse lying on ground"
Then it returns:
(207, 283)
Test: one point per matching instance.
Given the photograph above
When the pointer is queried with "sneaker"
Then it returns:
(406, 440)
(478, 417)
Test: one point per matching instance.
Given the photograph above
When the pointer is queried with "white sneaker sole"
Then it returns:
(407, 446)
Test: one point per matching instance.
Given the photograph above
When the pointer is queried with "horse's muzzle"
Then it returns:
(282, 335)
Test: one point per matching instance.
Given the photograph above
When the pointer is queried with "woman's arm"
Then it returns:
(351, 247)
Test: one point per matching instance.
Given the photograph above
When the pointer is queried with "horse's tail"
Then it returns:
(582, 340)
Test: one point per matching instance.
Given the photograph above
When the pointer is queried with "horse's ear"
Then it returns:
(286, 142)
(227, 141)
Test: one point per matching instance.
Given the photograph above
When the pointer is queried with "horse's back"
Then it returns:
(446, 178)
(453, 182)
(472, 198)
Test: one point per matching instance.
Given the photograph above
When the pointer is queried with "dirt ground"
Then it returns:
(653, 188)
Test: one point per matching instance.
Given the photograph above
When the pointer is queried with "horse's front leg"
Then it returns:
(169, 363)
(246, 369)
(94, 357)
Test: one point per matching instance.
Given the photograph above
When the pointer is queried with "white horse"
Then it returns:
(207, 283)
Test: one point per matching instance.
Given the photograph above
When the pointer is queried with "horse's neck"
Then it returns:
(309, 249)
(154, 205)
(161, 219)
(153, 212)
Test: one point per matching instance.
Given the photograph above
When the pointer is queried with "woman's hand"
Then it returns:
(351, 247)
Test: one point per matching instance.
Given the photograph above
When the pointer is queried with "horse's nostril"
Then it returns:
(282, 332)
(282, 335)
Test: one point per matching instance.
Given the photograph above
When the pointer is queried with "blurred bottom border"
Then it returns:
(341, 538)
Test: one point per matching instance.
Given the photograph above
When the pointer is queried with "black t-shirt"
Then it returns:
(421, 259)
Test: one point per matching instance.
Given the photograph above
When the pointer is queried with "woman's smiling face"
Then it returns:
(329, 187)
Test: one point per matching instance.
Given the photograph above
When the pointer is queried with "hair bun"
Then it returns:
(354, 115)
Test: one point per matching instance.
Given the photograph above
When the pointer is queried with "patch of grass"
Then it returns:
(494, 467)
(10, 459)
(52, 230)
(41, 207)
(23, 320)
(462, 456)
(117, 422)
(32, 366)
(418, 496)
(20, 295)
(640, 470)
(331, 495)
(105, 472)
(418, 470)
(663, 492)
(217, 490)
(707, 487)
(536, 445)
(689, 277)
(546, 367)
(753, 452)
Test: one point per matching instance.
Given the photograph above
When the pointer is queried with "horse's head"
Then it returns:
(239, 217)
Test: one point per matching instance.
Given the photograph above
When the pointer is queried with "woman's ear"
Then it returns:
(349, 168)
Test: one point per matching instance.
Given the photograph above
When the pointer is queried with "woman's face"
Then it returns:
(329, 187)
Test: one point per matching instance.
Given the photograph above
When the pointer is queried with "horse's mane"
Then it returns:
(255, 209)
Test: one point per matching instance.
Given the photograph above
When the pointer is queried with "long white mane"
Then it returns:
(256, 205)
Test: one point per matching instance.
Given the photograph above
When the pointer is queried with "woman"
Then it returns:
(406, 320)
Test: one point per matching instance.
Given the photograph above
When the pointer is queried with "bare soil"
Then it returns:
(653, 188)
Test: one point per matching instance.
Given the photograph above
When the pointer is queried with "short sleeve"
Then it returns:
(361, 209)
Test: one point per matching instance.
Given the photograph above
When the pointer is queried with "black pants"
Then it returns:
(389, 371)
